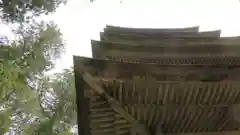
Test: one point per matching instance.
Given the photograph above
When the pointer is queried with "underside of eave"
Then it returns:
(184, 115)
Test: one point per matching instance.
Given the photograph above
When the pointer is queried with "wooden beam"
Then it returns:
(114, 104)
(211, 133)
(82, 106)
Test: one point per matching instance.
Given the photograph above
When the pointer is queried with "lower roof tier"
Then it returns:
(141, 78)
(180, 106)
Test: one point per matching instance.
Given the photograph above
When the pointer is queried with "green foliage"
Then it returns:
(30, 102)
(17, 10)
(22, 10)
(60, 107)
(22, 84)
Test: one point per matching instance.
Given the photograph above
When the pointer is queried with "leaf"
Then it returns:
(5, 121)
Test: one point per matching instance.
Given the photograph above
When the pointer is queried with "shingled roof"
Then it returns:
(180, 84)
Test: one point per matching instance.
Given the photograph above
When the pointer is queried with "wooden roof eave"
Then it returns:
(85, 63)
(125, 70)
(205, 34)
(112, 44)
(150, 30)
(167, 40)
(214, 33)
(104, 48)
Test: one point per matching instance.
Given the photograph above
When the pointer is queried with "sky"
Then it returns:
(80, 21)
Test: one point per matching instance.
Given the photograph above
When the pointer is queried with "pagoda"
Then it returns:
(176, 81)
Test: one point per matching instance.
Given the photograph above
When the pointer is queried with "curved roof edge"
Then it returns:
(154, 30)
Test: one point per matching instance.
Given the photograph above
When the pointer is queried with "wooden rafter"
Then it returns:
(98, 70)
(114, 104)
(211, 133)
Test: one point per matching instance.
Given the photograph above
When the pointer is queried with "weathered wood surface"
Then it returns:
(126, 70)
(93, 67)
(149, 30)
(114, 104)
(151, 40)
(225, 59)
(211, 133)
(181, 61)
(100, 48)
(182, 106)
(208, 35)
(83, 104)
(195, 92)
(110, 44)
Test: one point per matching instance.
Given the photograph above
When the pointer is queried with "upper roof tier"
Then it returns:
(136, 38)
(159, 36)
(149, 30)
(176, 32)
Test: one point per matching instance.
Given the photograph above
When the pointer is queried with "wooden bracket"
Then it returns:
(115, 105)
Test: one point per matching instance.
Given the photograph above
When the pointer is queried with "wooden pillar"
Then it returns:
(82, 105)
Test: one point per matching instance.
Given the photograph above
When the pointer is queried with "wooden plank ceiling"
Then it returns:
(129, 93)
